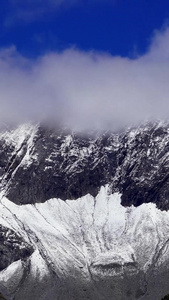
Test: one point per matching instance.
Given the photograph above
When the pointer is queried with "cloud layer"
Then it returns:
(86, 89)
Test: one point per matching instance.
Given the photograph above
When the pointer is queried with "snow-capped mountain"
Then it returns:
(84, 216)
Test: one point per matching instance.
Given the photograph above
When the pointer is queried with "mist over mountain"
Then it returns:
(84, 150)
(85, 90)
(84, 186)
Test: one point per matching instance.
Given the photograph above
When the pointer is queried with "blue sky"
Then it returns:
(119, 27)
(86, 63)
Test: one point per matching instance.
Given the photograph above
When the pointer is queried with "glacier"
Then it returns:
(87, 248)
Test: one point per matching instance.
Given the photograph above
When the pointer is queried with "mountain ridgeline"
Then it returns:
(38, 163)
(84, 216)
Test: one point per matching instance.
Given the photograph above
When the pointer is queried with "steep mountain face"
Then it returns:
(38, 163)
(68, 227)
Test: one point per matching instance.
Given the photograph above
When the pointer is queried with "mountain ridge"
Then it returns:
(84, 216)
(47, 163)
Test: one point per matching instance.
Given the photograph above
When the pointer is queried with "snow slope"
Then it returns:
(87, 248)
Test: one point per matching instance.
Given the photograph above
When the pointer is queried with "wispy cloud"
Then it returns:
(31, 10)
(86, 89)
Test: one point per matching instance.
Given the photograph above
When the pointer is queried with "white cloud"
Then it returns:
(86, 89)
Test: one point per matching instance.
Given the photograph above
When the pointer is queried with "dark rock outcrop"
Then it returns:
(69, 165)
(12, 247)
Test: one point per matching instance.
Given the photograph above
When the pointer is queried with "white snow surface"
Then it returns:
(86, 232)
(17, 136)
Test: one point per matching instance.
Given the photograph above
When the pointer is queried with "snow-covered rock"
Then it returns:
(86, 248)
(80, 215)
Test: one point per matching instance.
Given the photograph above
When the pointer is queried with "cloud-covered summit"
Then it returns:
(86, 89)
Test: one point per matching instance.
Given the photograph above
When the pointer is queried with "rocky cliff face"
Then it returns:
(63, 232)
(39, 163)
